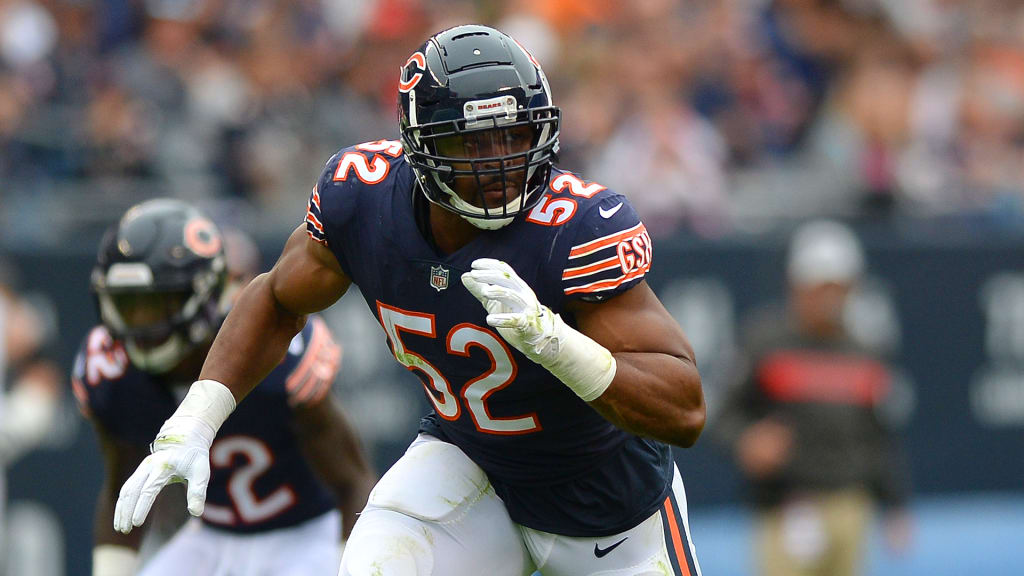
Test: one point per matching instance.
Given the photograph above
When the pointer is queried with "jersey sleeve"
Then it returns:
(315, 361)
(314, 217)
(345, 192)
(100, 362)
(331, 207)
(611, 251)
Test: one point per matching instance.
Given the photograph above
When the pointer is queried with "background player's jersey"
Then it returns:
(260, 480)
(553, 459)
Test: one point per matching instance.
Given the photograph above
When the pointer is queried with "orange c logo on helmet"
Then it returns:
(421, 63)
(202, 237)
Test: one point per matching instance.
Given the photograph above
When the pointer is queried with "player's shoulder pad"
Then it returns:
(100, 361)
(567, 200)
(347, 175)
(610, 249)
(312, 363)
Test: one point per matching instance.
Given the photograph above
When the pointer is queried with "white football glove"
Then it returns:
(180, 453)
(541, 335)
(513, 308)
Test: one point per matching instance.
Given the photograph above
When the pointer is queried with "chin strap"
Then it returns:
(488, 223)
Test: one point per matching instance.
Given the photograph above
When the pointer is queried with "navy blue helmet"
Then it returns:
(476, 116)
(159, 282)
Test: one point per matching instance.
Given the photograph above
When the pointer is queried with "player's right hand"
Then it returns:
(180, 453)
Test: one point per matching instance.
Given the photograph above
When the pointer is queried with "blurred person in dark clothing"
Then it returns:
(29, 377)
(29, 381)
(803, 421)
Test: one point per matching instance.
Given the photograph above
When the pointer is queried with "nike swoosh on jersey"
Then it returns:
(609, 212)
(601, 553)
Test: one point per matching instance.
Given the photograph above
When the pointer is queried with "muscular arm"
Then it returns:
(331, 446)
(656, 391)
(270, 311)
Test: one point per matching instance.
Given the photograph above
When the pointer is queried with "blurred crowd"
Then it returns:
(713, 116)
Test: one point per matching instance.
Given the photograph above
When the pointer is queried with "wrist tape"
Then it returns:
(582, 364)
(208, 403)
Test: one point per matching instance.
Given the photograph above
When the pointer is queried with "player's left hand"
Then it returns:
(513, 308)
(180, 453)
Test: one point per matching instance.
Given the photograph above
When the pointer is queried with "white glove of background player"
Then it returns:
(513, 309)
(582, 364)
(180, 453)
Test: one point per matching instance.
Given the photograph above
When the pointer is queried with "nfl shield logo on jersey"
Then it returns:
(438, 278)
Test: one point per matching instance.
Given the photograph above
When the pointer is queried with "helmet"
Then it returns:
(159, 282)
(468, 101)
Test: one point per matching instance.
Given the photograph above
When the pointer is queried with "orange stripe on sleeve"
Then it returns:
(312, 219)
(606, 284)
(604, 242)
(319, 365)
(315, 239)
(606, 264)
(321, 374)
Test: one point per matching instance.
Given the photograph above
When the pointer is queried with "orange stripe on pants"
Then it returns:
(677, 539)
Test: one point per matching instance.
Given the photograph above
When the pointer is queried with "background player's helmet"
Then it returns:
(159, 282)
(463, 82)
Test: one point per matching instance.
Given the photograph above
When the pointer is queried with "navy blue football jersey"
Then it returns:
(558, 465)
(259, 479)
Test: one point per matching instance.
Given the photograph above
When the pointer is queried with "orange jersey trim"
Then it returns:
(315, 373)
(605, 241)
(607, 284)
(606, 264)
(312, 219)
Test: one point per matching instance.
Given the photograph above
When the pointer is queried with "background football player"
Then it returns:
(283, 465)
(554, 402)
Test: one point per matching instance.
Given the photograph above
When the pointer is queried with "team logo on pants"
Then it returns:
(438, 277)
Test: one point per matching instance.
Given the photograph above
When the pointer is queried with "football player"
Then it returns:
(515, 292)
(283, 465)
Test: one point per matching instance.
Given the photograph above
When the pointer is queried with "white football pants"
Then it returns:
(309, 549)
(434, 513)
